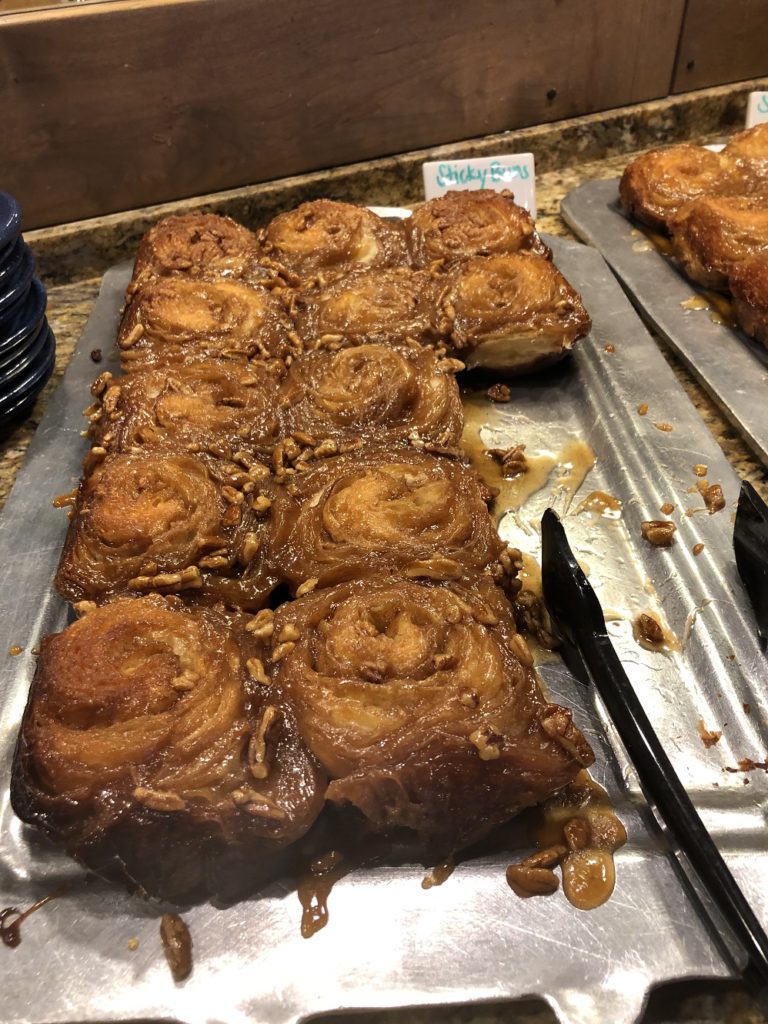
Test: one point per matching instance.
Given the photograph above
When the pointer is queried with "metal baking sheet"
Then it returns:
(390, 943)
(730, 366)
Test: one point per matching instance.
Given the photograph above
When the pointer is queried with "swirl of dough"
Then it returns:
(215, 404)
(371, 511)
(383, 306)
(200, 245)
(175, 320)
(514, 313)
(749, 287)
(328, 238)
(163, 522)
(749, 151)
(148, 748)
(379, 393)
(713, 234)
(658, 183)
(464, 224)
(419, 701)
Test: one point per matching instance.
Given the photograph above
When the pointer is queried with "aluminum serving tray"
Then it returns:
(730, 366)
(389, 942)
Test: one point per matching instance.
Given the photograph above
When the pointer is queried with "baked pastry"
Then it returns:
(713, 234)
(177, 320)
(213, 406)
(326, 239)
(149, 749)
(372, 511)
(382, 394)
(420, 703)
(658, 183)
(381, 306)
(514, 313)
(749, 150)
(200, 245)
(464, 224)
(160, 521)
(749, 287)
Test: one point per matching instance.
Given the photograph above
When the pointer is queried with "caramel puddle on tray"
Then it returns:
(719, 306)
(582, 818)
(600, 504)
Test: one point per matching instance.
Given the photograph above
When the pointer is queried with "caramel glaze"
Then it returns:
(653, 635)
(439, 873)
(315, 886)
(580, 817)
(11, 920)
(601, 504)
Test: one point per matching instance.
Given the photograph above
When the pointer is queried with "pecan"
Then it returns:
(658, 532)
(159, 800)
(177, 944)
(558, 725)
(499, 393)
(257, 745)
(262, 624)
(529, 881)
(487, 743)
(513, 460)
(648, 629)
(546, 858)
(714, 498)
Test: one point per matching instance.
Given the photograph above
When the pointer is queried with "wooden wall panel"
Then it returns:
(721, 41)
(108, 107)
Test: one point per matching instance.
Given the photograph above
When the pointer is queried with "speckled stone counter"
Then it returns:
(73, 257)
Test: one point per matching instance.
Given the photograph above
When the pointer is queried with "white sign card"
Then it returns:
(515, 172)
(757, 109)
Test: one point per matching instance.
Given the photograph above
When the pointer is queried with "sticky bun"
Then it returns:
(749, 150)
(713, 234)
(369, 305)
(464, 224)
(211, 406)
(749, 288)
(158, 521)
(381, 393)
(372, 511)
(200, 245)
(658, 183)
(419, 701)
(326, 239)
(176, 320)
(513, 313)
(148, 747)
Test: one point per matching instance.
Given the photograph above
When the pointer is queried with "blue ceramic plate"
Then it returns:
(26, 318)
(10, 219)
(28, 386)
(14, 362)
(16, 285)
(10, 260)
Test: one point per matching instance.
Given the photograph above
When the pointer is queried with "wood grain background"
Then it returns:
(721, 41)
(113, 106)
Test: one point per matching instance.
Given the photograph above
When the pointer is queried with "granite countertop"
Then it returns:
(72, 259)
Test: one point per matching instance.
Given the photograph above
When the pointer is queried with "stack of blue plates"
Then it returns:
(27, 344)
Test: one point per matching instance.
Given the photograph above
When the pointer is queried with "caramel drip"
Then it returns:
(11, 920)
(439, 873)
(315, 887)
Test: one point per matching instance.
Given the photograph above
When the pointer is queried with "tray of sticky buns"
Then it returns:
(285, 634)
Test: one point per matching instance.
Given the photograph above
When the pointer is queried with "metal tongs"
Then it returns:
(578, 618)
(750, 545)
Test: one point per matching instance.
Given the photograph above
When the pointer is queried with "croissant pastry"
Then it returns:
(514, 313)
(387, 394)
(749, 288)
(464, 224)
(658, 183)
(380, 306)
(371, 511)
(329, 238)
(713, 234)
(200, 245)
(159, 521)
(215, 405)
(176, 320)
(419, 701)
(149, 749)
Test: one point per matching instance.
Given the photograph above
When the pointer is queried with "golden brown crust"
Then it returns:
(412, 698)
(372, 511)
(382, 306)
(749, 151)
(713, 234)
(327, 239)
(211, 406)
(176, 320)
(461, 225)
(135, 750)
(200, 245)
(749, 286)
(658, 183)
(513, 313)
(385, 394)
(165, 522)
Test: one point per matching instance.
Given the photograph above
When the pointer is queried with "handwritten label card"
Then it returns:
(515, 172)
(757, 109)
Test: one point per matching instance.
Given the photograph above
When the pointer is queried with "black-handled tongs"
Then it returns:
(750, 545)
(578, 618)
